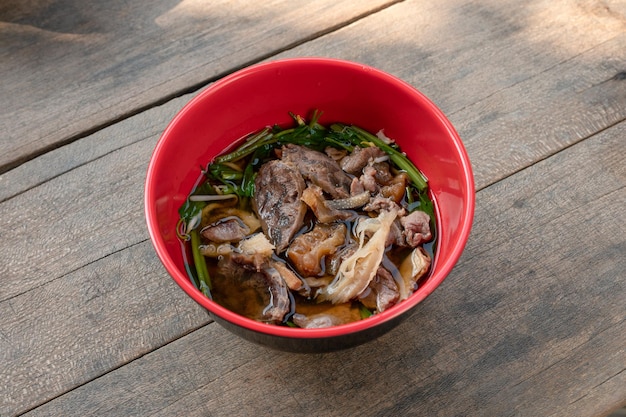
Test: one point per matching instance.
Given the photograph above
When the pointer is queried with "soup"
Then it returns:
(309, 225)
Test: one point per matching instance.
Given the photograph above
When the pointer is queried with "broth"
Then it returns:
(346, 256)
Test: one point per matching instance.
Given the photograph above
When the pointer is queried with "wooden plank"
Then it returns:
(519, 81)
(504, 131)
(532, 325)
(74, 219)
(41, 249)
(70, 67)
(80, 326)
(145, 125)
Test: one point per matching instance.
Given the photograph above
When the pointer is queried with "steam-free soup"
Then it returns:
(309, 225)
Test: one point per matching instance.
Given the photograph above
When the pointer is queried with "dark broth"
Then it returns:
(238, 295)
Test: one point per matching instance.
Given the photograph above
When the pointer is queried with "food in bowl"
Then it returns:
(309, 225)
(350, 92)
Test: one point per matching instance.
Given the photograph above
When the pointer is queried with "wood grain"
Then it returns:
(87, 214)
(80, 326)
(145, 125)
(504, 130)
(531, 322)
(519, 81)
(523, 328)
(69, 68)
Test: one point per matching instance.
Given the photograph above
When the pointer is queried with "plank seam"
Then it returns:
(193, 88)
(81, 164)
(550, 154)
(597, 385)
(189, 331)
(74, 270)
(544, 71)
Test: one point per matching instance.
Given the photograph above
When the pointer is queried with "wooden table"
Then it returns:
(531, 322)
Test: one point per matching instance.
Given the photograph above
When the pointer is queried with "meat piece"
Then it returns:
(383, 176)
(262, 296)
(254, 252)
(396, 237)
(214, 212)
(291, 279)
(314, 282)
(380, 203)
(229, 229)
(396, 188)
(412, 268)
(360, 157)
(316, 321)
(280, 300)
(314, 198)
(334, 153)
(324, 315)
(416, 228)
(382, 292)
(356, 187)
(318, 168)
(307, 251)
(368, 179)
(356, 271)
(277, 202)
(356, 201)
(334, 261)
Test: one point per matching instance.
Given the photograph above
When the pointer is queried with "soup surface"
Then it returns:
(309, 225)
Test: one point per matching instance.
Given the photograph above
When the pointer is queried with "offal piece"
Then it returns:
(307, 251)
(316, 321)
(255, 251)
(313, 196)
(382, 292)
(277, 202)
(291, 279)
(318, 315)
(356, 271)
(318, 168)
(229, 229)
(262, 295)
(416, 228)
(412, 269)
(360, 157)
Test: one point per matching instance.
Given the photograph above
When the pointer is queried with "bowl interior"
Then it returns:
(346, 92)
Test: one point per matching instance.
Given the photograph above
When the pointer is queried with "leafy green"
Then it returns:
(234, 174)
(364, 311)
(191, 211)
(204, 280)
(353, 135)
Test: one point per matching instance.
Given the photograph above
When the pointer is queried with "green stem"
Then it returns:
(200, 263)
(248, 147)
(397, 157)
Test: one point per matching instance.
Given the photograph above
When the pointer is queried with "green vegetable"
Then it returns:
(204, 281)
(362, 138)
(259, 146)
(364, 311)
(228, 177)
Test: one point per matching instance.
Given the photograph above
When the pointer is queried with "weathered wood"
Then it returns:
(147, 124)
(74, 219)
(531, 324)
(504, 131)
(80, 326)
(581, 84)
(519, 81)
(69, 67)
(518, 329)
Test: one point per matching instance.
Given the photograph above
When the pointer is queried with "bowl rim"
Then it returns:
(181, 278)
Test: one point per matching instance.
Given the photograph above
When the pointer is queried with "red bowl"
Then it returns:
(347, 92)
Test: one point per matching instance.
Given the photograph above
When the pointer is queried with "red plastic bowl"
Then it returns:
(347, 92)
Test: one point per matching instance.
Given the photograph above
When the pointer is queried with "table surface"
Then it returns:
(531, 321)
